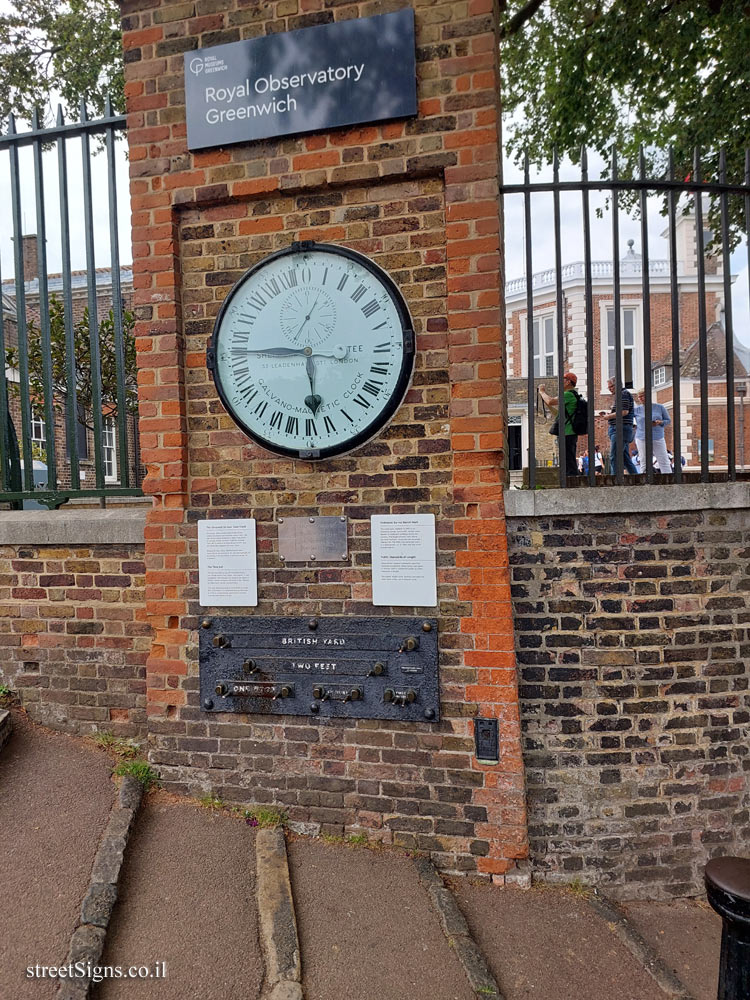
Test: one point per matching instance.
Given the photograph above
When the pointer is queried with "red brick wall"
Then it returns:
(421, 198)
(74, 635)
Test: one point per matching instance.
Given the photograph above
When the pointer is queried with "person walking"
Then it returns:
(659, 420)
(622, 401)
(598, 461)
(570, 402)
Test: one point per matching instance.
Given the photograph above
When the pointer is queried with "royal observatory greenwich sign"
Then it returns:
(344, 73)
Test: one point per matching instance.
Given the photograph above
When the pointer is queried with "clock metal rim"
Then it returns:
(407, 364)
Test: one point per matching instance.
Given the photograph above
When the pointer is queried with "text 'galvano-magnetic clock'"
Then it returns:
(312, 351)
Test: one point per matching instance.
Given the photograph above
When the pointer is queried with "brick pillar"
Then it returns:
(421, 198)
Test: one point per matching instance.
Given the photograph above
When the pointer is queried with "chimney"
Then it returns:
(29, 246)
(30, 257)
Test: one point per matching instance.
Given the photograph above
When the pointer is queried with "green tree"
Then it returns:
(628, 73)
(71, 48)
(84, 372)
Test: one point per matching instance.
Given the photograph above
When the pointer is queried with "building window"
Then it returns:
(109, 449)
(710, 449)
(82, 441)
(38, 436)
(544, 346)
(660, 376)
(631, 369)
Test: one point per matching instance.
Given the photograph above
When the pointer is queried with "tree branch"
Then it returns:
(520, 18)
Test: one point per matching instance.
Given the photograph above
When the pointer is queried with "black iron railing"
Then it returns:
(729, 216)
(68, 405)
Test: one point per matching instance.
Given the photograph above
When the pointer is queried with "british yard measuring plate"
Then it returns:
(313, 351)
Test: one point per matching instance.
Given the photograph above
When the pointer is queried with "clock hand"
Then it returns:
(310, 369)
(317, 299)
(274, 352)
(307, 318)
(313, 401)
(339, 353)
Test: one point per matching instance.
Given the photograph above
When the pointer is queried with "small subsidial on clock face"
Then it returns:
(312, 351)
(307, 314)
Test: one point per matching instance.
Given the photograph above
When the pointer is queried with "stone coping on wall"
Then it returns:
(72, 527)
(627, 499)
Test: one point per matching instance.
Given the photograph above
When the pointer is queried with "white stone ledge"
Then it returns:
(641, 499)
(72, 527)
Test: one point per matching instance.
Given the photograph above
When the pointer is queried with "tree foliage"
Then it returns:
(84, 370)
(628, 73)
(72, 49)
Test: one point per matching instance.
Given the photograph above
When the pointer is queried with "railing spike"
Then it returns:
(108, 113)
(59, 118)
(35, 120)
(83, 113)
(11, 124)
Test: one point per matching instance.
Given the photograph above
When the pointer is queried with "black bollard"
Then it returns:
(728, 889)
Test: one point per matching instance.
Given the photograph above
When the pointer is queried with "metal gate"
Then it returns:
(707, 363)
(68, 402)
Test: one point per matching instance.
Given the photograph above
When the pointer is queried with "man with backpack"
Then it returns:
(576, 418)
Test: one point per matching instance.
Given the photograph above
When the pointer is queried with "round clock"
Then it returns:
(312, 351)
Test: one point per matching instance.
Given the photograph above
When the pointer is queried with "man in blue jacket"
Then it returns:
(659, 420)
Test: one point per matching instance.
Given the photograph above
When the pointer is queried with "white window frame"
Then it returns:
(660, 376)
(539, 317)
(109, 450)
(605, 308)
(38, 429)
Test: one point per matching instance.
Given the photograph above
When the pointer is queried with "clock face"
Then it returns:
(312, 351)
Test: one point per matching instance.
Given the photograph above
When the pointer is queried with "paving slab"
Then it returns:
(187, 898)
(686, 934)
(55, 796)
(367, 929)
(547, 943)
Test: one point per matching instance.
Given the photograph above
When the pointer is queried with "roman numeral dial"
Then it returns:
(313, 351)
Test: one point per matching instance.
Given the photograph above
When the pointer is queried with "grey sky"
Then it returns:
(76, 215)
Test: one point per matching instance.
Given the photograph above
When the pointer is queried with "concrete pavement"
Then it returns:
(238, 914)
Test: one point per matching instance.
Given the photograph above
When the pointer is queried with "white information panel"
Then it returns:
(227, 563)
(403, 560)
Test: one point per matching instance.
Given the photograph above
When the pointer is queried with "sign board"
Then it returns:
(343, 73)
(227, 563)
(403, 560)
(328, 667)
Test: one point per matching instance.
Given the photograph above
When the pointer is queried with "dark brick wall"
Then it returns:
(73, 635)
(632, 642)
